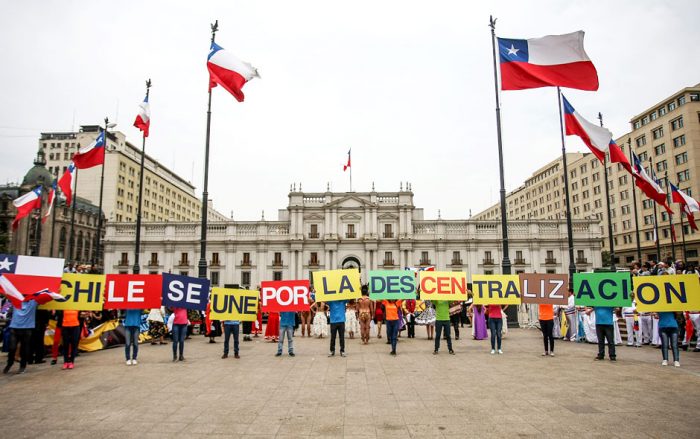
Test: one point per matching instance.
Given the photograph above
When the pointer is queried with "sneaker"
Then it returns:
(613, 358)
(174, 358)
(6, 369)
(291, 354)
(23, 369)
(53, 362)
(278, 354)
(435, 352)
(331, 354)
(342, 354)
(677, 363)
(225, 356)
(500, 352)
(544, 354)
(71, 365)
(452, 352)
(551, 354)
(181, 358)
(493, 351)
(392, 353)
(236, 356)
(664, 363)
(134, 362)
(128, 362)
(65, 366)
(599, 357)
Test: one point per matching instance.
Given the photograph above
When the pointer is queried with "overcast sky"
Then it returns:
(407, 85)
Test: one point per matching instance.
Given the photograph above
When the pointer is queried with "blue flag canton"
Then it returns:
(8, 263)
(513, 50)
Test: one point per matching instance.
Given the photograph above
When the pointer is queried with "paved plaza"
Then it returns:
(368, 394)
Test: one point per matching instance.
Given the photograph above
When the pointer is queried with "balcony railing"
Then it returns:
(388, 235)
(313, 263)
(519, 261)
(245, 263)
(351, 235)
(425, 262)
(456, 262)
(550, 261)
(313, 235)
(183, 262)
(581, 260)
(277, 263)
(153, 263)
(388, 262)
(124, 262)
(488, 261)
(215, 263)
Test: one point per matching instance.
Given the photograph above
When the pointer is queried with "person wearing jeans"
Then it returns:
(180, 323)
(337, 316)
(668, 326)
(71, 337)
(546, 312)
(495, 313)
(287, 320)
(21, 326)
(604, 330)
(392, 322)
(132, 324)
(231, 327)
(442, 323)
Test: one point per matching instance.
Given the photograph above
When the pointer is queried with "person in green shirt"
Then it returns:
(442, 322)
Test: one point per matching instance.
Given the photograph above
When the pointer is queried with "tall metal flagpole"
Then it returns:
(205, 194)
(71, 238)
(670, 220)
(349, 157)
(37, 231)
(685, 258)
(611, 242)
(137, 249)
(96, 254)
(634, 200)
(656, 219)
(569, 228)
(505, 262)
(53, 221)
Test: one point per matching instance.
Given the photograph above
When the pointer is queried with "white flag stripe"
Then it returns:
(39, 266)
(557, 49)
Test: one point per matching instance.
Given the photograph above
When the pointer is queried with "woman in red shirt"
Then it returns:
(495, 313)
(180, 323)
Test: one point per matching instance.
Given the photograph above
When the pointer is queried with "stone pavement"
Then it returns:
(368, 394)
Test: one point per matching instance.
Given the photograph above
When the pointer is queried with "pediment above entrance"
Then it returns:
(349, 202)
(388, 216)
(314, 216)
(350, 217)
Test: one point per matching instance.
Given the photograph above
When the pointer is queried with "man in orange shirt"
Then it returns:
(547, 327)
(392, 321)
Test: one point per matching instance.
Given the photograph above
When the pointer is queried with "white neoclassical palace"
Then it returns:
(330, 230)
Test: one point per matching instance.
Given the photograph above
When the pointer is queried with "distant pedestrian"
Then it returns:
(156, 326)
(286, 330)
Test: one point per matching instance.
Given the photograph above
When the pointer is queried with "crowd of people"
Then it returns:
(367, 319)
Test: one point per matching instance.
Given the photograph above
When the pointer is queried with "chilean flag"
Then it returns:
(24, 278)
(648, 185)
(551, 61)
(597, 138)
(66, 183)
(688, 204)
(346, 166)
(143, 119)
(91, 155)
(25, 204)
(618, 156)
(228, 71)
(52, 199)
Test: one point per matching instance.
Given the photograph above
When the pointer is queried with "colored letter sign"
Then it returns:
(392, 284)
(230, 304)
(544, 288)
(185, 292)
(602, 289)
(443, 285)
(337, 285)
(133, 291)
(496, 289)
(285, 295)
(680, 292)
(83, 292)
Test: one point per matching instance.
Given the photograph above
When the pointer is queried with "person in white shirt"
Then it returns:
(634, 334)
(571, 319)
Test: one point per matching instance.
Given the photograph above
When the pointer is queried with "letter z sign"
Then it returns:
(185, 292)
(285, 295)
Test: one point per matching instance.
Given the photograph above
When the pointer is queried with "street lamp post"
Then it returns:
(137, 249)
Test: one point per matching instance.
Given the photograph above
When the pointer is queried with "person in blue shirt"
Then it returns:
(337, 317)
(605, 330)
(668, 327)
(287, 320)
(21, 326)
(231, 327)
(132, 326)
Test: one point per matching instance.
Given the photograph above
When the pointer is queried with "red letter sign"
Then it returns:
(133, 291)
(285, 295)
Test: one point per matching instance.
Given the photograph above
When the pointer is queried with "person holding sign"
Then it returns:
(669, 333)
(604, 330)
(71, 337)
(495, 313)
(132, 326)
(546, 312)
(180, 323)
(392, 322)
(337, 317)
(231, 327)
(286, 324)
(442, 323)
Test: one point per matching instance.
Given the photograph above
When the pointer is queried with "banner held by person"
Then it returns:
(185, 292)
(443, 285)
(392, 284)
(82, 292)
(233, 304)
(602, 289)
(285, 295)
(496, 289)
(333, 285)
(133, 291)
(544, 288)
(680, 292)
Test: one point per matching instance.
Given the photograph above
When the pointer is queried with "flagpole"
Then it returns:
(505, 262)
(53, 221)
(205, 194)
(670, 220)
(37, 231)
(685, 258)
(137, 249)
(96, 254)
(569, 228)
(71, 241)
(607, 199)
(350, 158)
(656, 218)
(634, 200)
